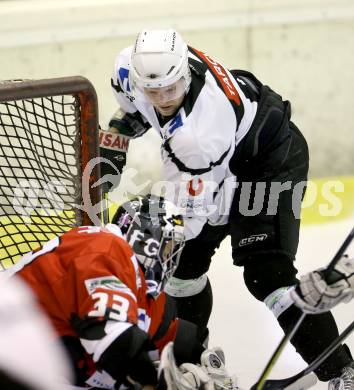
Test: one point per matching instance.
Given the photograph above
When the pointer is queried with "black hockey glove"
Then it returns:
(127, 357)
(113, 152)
(114, 144)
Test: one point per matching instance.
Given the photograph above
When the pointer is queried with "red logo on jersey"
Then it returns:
(222, 76)
(191, 187)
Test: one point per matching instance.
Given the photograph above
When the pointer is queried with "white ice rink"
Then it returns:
(246, 329)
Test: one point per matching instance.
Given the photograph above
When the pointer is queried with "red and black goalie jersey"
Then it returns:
(90, 284)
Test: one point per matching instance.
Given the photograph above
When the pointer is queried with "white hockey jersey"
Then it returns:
(199, 139)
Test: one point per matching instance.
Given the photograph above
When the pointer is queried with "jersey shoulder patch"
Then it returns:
(120, 79)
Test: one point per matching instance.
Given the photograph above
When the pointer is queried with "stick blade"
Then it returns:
(303, 383)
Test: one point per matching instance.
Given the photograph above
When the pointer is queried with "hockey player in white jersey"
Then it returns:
(216, 126)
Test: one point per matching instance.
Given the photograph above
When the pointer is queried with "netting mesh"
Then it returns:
(39, 172)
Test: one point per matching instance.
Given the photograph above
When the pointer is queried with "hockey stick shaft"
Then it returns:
(274, 358)
(272, 361)
(338, 255)
(105, 205)
(277, 384)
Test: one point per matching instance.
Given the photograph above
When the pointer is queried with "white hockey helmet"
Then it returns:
(159, 60)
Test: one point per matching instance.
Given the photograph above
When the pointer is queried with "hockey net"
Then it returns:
(48, 133)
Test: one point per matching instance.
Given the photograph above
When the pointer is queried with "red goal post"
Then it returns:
(48, 135)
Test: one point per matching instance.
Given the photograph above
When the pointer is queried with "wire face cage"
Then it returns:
(48, 135)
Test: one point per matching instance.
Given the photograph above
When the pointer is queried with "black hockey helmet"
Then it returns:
(155, 230)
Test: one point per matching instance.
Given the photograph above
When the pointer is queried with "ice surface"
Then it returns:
(246, 329)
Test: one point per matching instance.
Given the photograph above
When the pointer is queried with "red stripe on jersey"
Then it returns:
(221, 74)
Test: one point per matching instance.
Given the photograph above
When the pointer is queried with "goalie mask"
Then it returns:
(155, 231)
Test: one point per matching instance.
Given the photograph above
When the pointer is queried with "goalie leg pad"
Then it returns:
(187, 377)
(213, 362)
